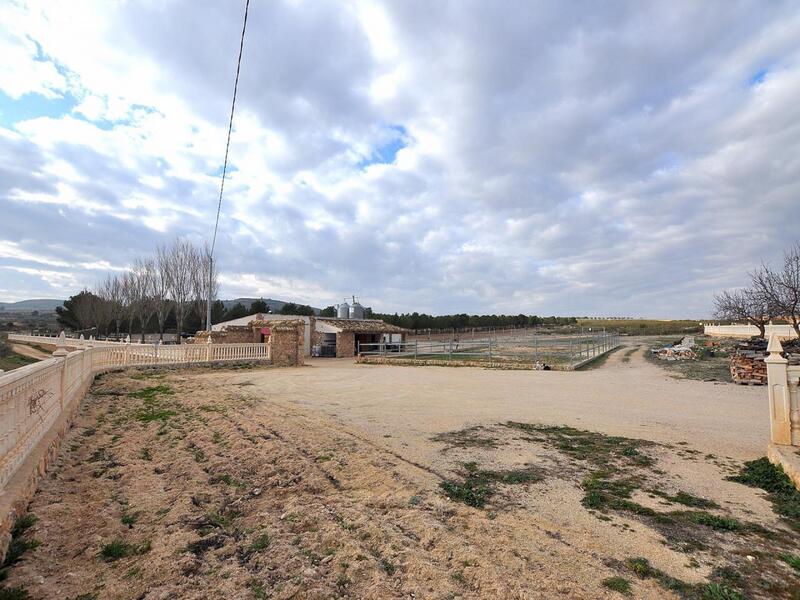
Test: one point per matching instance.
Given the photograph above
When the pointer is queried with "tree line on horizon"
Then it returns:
(417, 320)
(773, 294)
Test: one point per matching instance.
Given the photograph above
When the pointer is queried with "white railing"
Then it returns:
(33, 397)
(784, 399)
(71, 342)
(782, 331)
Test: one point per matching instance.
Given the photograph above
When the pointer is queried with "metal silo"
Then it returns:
(356, 310)
(343, 311)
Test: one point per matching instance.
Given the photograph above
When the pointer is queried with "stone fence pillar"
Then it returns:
(780, 405)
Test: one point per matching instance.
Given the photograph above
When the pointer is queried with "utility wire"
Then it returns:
(230, 128)
(224, 172)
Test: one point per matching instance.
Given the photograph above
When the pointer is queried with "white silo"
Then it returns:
(356, 310)
(343, 311)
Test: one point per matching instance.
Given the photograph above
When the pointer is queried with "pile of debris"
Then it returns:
(747, 361)
(682, 350)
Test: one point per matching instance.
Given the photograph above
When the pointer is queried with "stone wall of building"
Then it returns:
(236, 334)
(287, 343)
(345, 345)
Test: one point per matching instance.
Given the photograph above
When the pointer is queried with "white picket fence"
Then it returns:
(33, 397)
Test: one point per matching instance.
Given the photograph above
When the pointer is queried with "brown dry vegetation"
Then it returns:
(211, 484)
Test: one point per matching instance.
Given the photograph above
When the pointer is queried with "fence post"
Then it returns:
(61, 352)
(778, 388)
(490, 348)
(416, 348)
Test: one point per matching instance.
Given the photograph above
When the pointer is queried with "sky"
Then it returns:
(581, 158)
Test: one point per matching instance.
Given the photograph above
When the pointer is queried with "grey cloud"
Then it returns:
(596, 158)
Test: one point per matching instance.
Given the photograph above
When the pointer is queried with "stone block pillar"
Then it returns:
(287, 345)
(780, 406)
(345, 344)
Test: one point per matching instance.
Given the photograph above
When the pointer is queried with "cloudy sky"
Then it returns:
(599, 158)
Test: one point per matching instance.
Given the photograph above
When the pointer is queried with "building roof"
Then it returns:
(244, 321)
(331, 325)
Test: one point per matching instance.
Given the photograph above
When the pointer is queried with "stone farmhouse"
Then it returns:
(314, 336)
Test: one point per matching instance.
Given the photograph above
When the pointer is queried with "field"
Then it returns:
(523, 348)
(642, 326)
(371, 481)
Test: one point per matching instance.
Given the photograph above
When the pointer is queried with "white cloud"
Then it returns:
(562, 159)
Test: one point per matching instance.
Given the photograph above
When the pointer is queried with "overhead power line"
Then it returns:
(224, 170)
(230, 127)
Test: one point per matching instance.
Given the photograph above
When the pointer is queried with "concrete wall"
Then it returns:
(746, 331)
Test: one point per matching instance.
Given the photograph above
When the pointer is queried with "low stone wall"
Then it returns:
(19, 491)
(238, 334)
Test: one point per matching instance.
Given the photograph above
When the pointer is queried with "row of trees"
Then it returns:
(773, 293)
(175, 281)
(464, 321)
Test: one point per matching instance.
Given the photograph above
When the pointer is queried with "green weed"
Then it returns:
(618, 584)
(595, 448)
(471, 437)
(116, 549)
(780, 490)
(713, 521)
(687, 499)
(261, 542)
(150, 393)
(478, 484)
(14, 593)
(388, 566)
(793, 560)
(130, 519)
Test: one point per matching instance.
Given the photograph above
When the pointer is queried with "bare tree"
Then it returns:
(110, 291)
(781, 287)
(161, 302)
(138, 284)
(744, 305)
(180, 263)
(203, 277)
(101, 310)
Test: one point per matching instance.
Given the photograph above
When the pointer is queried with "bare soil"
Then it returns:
(327, 481)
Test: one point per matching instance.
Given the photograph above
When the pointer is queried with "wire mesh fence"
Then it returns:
(547, 350)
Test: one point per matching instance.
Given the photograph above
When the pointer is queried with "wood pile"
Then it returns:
(747, 361)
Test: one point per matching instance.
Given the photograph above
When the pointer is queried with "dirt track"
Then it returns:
(336, 465)
(29, 351)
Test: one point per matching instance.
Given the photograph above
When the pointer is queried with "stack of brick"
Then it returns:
(747, 361)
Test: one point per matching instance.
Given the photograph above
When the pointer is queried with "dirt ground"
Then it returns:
(363, 481)
(30, 351)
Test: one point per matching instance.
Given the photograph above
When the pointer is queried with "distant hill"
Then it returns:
(49, 305)
(274, 305)
(40, 304)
